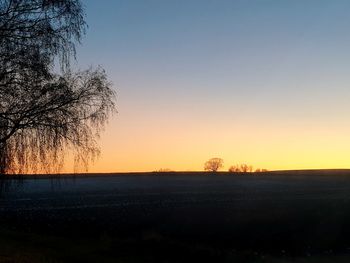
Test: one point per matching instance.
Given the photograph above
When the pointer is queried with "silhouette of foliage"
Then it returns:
(244, 168)
(234, 169)
(43, 113)
(164, 170)
(33, 32)
(213, 164)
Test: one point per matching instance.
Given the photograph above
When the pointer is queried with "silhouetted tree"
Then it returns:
(43, 113)
(234, 169)
(250, 168)
(164, 170)
(246, 168)
(242, 168)
(261, 170)
(34, 32)
(213, 164)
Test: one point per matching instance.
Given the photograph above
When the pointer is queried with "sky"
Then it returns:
(263, 82)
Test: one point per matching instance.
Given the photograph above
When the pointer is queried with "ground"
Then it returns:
(178, 217)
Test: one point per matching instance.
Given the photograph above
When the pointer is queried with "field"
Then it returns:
(287, 216)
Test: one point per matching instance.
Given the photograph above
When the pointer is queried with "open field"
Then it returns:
(175, 217)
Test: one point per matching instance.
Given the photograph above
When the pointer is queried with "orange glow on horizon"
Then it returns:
(272, 93)
(183, 148)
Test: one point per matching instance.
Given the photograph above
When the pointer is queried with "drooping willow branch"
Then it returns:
(43, 120)
(44, 114)
(41, 29)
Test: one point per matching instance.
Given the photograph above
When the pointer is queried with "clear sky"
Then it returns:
(263, 82)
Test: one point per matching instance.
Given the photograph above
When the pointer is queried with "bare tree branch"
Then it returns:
(43, 114)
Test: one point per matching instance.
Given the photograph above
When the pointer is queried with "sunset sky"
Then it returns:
(263, 82)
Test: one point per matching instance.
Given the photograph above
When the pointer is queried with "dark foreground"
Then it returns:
(177, 218)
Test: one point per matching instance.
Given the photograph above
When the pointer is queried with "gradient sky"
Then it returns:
(263, 82)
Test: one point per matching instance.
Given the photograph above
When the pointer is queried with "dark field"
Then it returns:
(298, 216)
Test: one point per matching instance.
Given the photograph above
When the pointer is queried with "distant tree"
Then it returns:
(246, 168)
(234, 169)
(242, 168)
(213, 164)
(261, 170)
(45, 113)
(164, 170)
(250, 168)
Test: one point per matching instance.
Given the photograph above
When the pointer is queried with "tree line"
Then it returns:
(215, 164)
